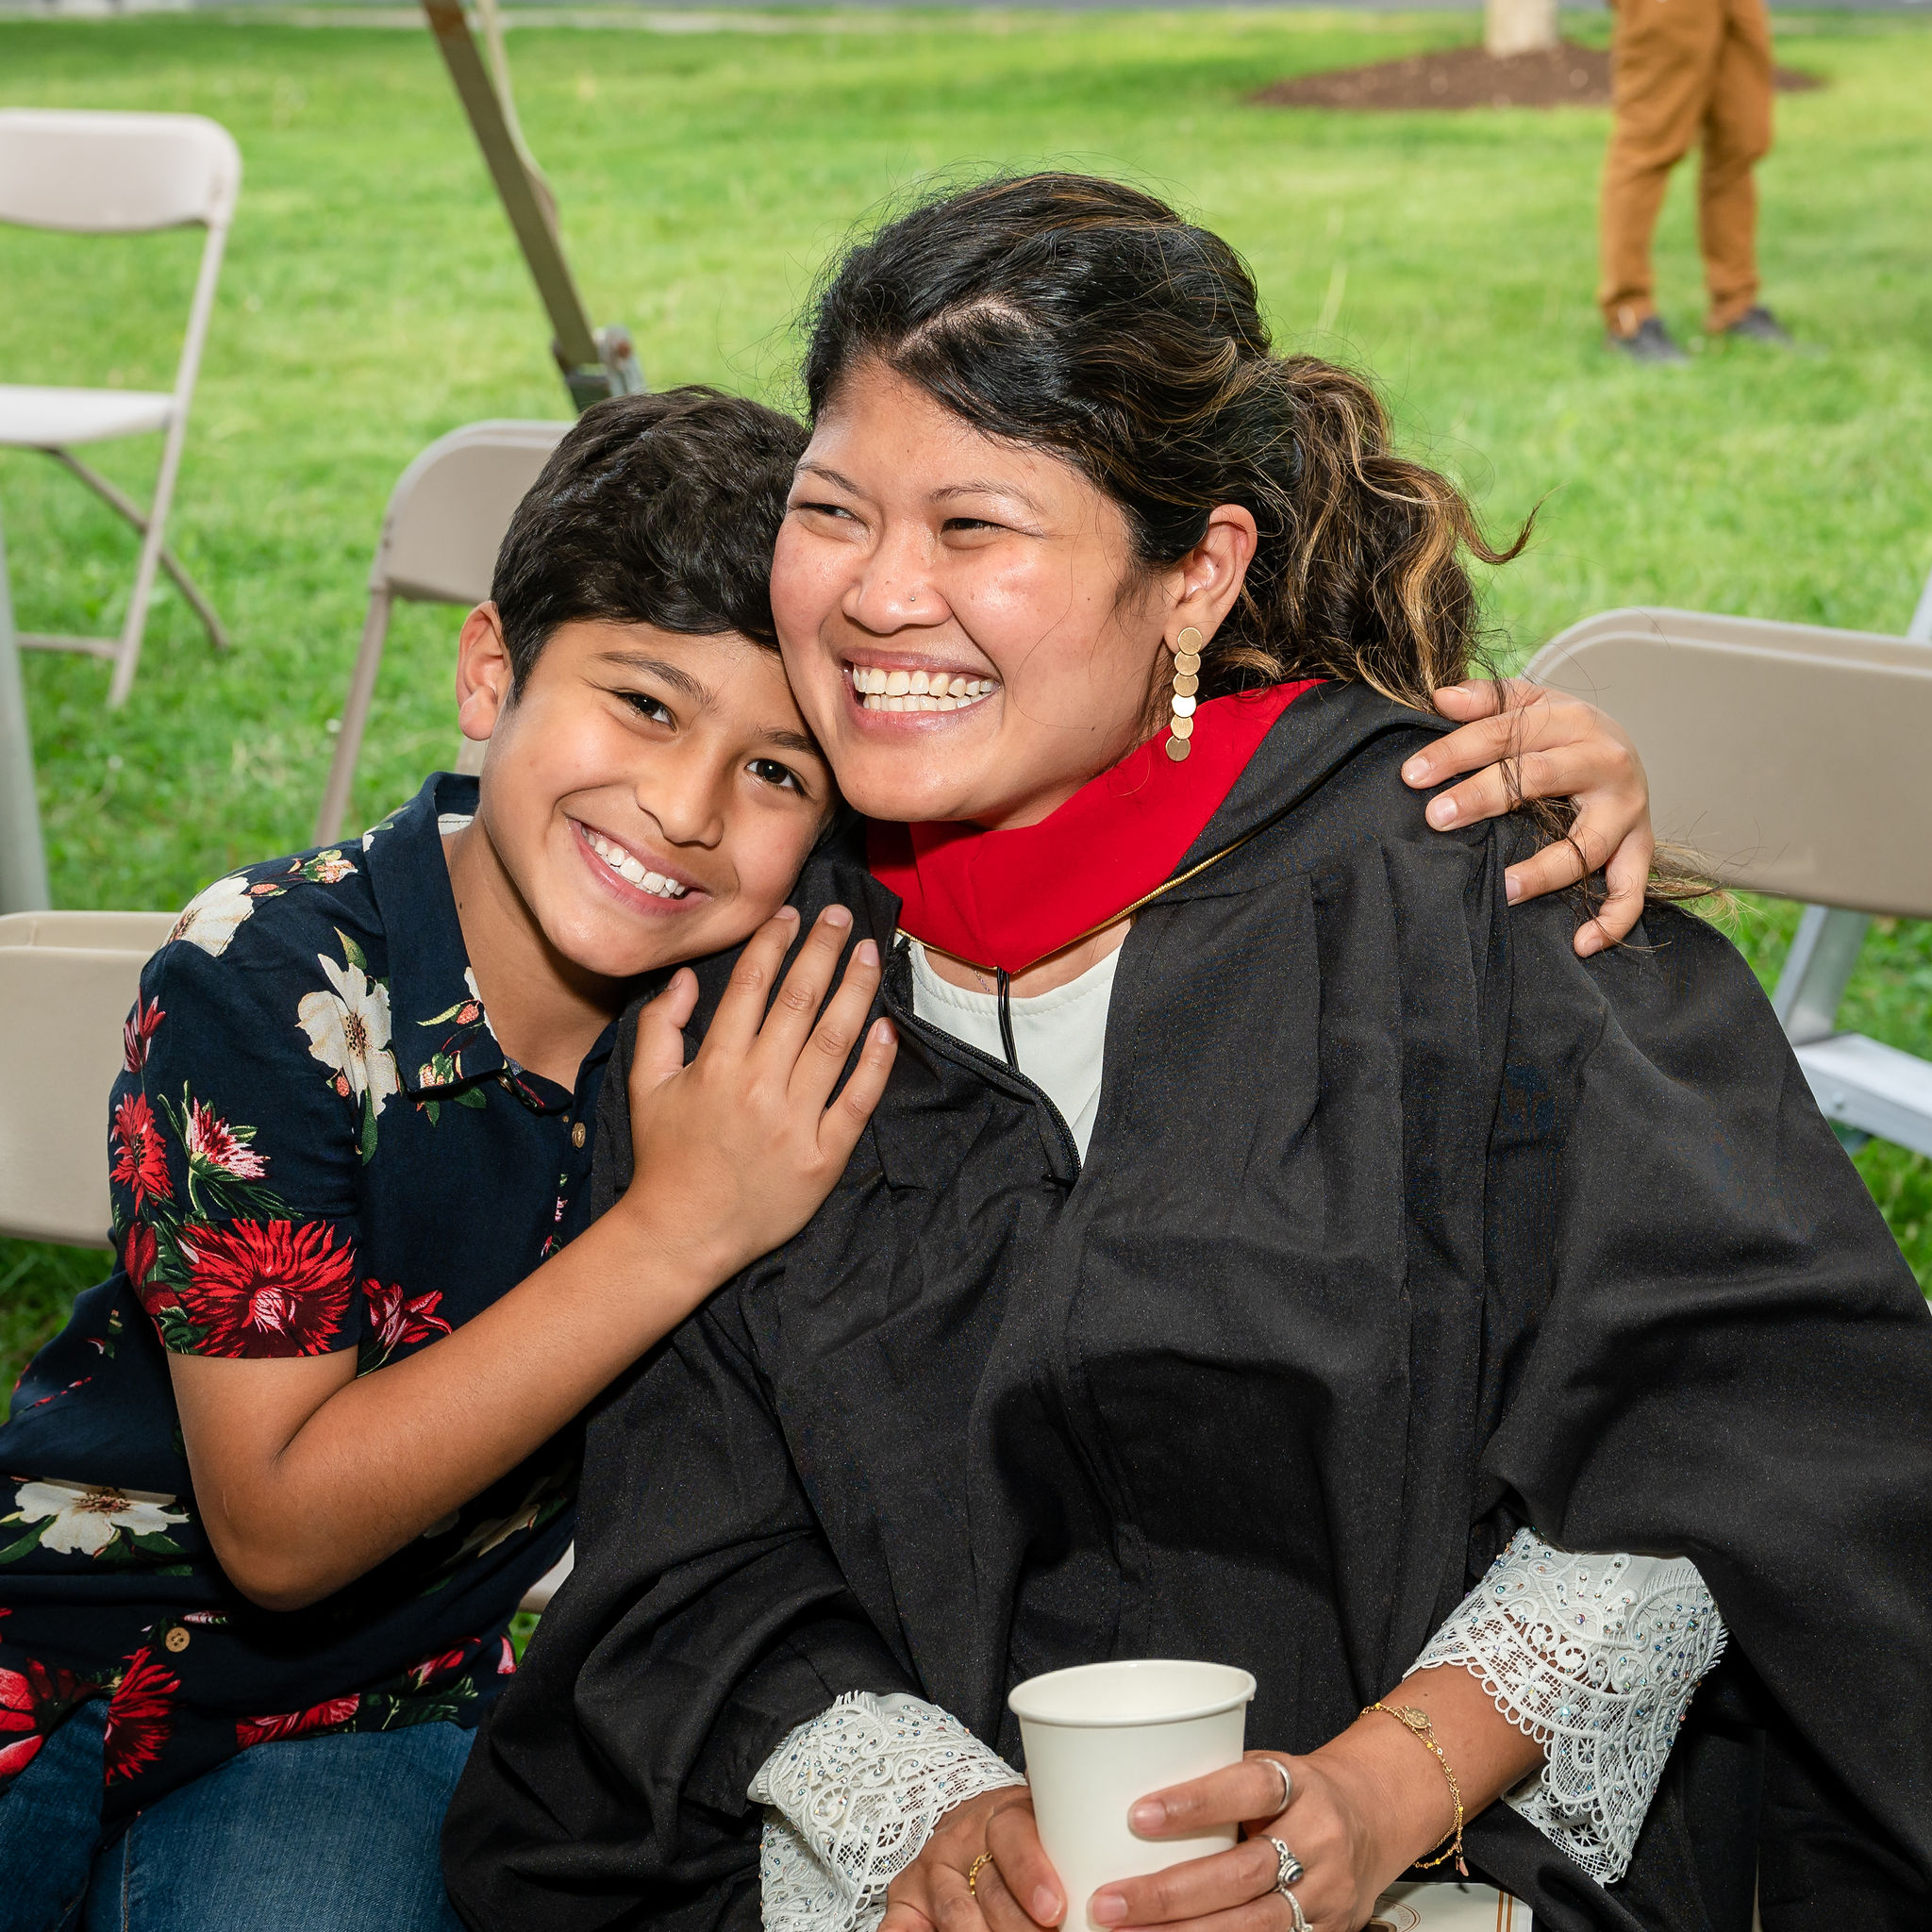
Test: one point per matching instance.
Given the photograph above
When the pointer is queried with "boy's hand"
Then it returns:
(735, 1152)
(309, 1474)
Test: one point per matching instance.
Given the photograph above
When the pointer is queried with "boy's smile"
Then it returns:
(647, 798)
(655, 879)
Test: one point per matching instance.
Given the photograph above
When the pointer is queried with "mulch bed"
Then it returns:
(1566, 76)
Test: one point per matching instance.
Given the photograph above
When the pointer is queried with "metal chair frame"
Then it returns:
(44, 156)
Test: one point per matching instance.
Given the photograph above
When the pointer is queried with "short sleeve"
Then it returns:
(234, 1142)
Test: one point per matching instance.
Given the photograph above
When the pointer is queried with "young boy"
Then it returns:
(273, 1494)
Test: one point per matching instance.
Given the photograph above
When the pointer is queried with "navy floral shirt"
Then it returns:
(316, 1144)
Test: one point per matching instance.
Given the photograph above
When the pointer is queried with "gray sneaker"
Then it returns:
(1758, 324)
(1650, 342)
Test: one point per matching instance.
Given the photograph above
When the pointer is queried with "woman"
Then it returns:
(1267, 1235)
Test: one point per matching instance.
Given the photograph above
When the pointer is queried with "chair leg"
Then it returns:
(118, 499)
(1816, 972)
(341, 768)
(200, 310)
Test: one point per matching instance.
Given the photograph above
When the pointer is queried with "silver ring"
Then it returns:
(1286, 1783)
(1294, 1905)
(1288, 1869)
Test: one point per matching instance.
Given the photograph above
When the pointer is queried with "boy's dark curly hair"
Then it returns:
(658, 509)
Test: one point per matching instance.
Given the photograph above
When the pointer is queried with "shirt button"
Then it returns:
(577, 1135)
(176, 1640)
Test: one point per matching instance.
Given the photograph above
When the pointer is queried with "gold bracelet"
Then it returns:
(1417, 1722)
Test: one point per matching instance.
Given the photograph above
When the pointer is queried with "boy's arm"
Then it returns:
(306, 1476)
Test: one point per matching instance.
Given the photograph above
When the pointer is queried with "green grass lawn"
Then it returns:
(372, 300)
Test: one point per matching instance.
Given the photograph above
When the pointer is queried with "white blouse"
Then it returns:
(1594, 1657)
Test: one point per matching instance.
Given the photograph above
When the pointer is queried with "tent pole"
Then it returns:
(595, 363)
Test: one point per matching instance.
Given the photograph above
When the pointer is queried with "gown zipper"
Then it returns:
(964, 1053)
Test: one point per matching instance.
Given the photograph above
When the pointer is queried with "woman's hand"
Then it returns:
(734, 1153)
(1331, 1820)
(1550, 745)
(1351, 1835)
(940, 1892)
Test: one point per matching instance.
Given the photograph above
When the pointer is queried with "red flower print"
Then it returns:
(212, 1143)
(138, 1254)
(401, 1318)
(137, 1030)
(421, 1674)
(34, 1700)
(138, 1715)
(506, 1663)
(266, 1288)
(296, 1723)
(17, 1713)
(140, 1161)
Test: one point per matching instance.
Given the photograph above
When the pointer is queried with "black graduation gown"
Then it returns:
(1401, 1228)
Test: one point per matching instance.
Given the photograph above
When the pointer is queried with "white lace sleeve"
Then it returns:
(1596, 1657)
(853, 1797)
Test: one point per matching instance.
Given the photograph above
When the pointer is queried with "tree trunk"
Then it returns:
(1519, 27)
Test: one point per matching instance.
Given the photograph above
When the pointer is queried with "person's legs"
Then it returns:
(50, 1822)
(1663, 58)
(1737, 135)
(337, 1834)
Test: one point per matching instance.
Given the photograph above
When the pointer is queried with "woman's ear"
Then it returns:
(1210, 578)
(485, 681)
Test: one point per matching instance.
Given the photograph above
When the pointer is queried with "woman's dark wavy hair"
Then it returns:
(1081, 316)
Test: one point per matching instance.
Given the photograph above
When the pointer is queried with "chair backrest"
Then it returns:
(67, 980)
(100, 174)
(1792, 760)
(449, 510)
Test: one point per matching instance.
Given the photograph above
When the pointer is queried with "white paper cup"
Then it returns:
(1099, 1738)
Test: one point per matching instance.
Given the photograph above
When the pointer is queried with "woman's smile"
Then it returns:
(903, 687)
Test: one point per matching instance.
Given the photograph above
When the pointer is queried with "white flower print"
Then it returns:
(211, 918)
(501, 1531)
(87, 1519)
(348, 1029)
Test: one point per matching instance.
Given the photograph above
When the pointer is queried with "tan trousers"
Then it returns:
(1681, 70)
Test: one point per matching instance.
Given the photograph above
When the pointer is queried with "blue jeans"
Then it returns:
(335, 1834)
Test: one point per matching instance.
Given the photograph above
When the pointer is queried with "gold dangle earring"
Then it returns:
(1186, 681)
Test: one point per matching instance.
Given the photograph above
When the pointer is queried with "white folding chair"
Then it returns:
(120, 174)
(67, 980)
(440, 533)
(1794, 761)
